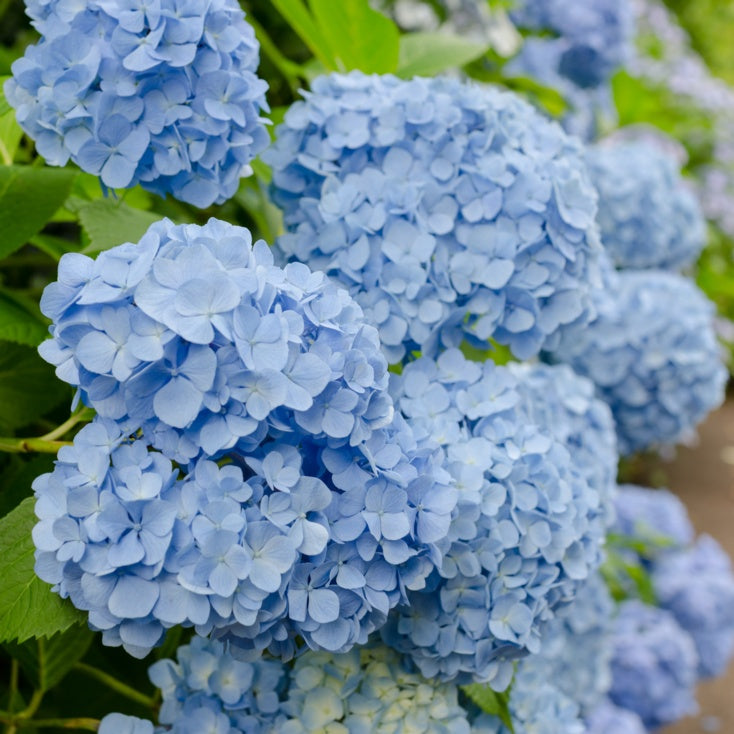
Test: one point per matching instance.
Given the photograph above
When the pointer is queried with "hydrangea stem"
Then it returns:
(81, 722)
(116, 685)
(31, 445)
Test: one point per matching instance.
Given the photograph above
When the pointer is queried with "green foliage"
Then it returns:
(491, 702)
(46, 662)
(427, 54)
(29, 197)
(20, 320)
(109, 222)
(28, 386)
(28, 607)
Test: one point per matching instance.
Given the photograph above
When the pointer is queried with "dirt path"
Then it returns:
(703, 476)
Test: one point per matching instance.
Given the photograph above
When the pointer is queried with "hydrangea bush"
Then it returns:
(448, 210)
(164, 94)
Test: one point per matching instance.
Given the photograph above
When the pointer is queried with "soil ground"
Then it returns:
(703, 477)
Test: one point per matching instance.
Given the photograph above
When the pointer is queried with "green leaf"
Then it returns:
(46, 661)
(28, 607)
(358, 36)
(28, 386)
(19, 322)
(546, 97)
(303, 23)
(427, 54)
(491, 702)
(4, 104)
(16, 476)
(29, 197)
(109, 222)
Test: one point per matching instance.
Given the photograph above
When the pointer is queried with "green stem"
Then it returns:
(116, 685)
(81, 722)
(85, 414)
(12, 445)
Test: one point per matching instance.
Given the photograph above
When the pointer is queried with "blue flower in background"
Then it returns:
(652, 354)
(526, 532)
(448, 210)
(607, 718)
(653, 665)
(367, 690)
(122, 724)
(647, 215)
(697, 586)
(163, 94)
(593, 38)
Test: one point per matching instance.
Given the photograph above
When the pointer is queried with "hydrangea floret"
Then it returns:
(653, 665)
(607, 718)
(164, 94)
(448, 210)
(527, 529)
(648, 217)
(653, 355)
(305, 506)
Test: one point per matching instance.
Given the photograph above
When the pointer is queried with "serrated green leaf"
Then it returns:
(29, 197)
(46, 661)
(19, 322)
(28, 607)
(110, 222)
(427, 54)
(28, 386)
(358, 36)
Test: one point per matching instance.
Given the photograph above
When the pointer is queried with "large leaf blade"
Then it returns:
(428, 54)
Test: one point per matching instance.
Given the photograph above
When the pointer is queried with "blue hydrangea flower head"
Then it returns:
(648, 217)
(367, 690)
(654, 516)
(652, 354)
(697, 586)
(576, 647)
(592, 39)
(305, 508)
(537, 706)
(448, 210)
(207, 686)
(122, 724)
(163, 94)
(653, 665)
(607, 718)
(526, 532)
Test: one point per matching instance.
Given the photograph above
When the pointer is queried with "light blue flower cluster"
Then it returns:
(122, 724)
(197, 337)
(162, 93)
(576, 647)
(593, 39)
(655, 516)
(692, 580)
(653, 665)
(647, 215)
(207, 689)
(526, 532)
(365, 691)
(607, 718)
(448, 210)
(561, 401)
(697, 586)
(653, 355)
(329, 508)
(536, 707)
